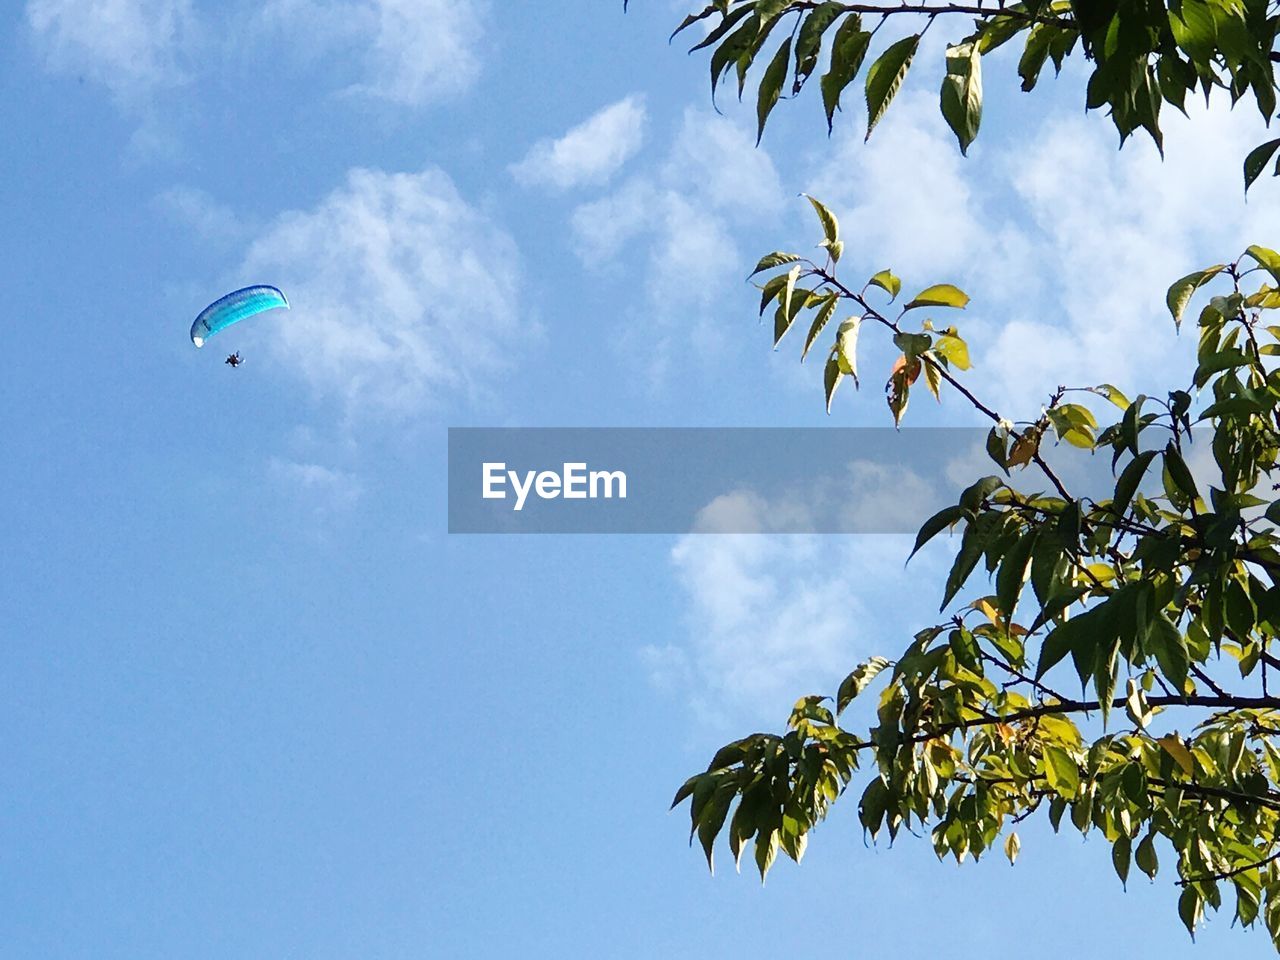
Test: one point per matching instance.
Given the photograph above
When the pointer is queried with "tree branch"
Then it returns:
(1207, 681)
(1224, 703)
(1020, 676)
(941, 9)
(1227, 875)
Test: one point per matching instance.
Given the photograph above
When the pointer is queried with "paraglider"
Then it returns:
(234, 307)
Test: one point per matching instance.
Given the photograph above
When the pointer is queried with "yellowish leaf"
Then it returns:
(1174, 746)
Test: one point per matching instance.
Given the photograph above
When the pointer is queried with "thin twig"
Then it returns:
(1227, 875)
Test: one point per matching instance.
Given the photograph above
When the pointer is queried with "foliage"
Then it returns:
(1144, 598)
(1142, 54)
(1138, 597)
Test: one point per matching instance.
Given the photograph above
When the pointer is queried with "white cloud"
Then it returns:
(591, 152)
(603, 227)
(130, 46)
(401, 291)
(1066, 244)
(1114, 230)
(425, 49)
(411, 51)
(195, 208)
(324, 490)
(775, 617)
(407, 52)
(771, 619)
(715, 162)
(712, 178)
(861, 496)
(908, 200)
(684, 217)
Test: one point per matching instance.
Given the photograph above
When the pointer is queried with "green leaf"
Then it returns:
(954, 349)
(1060, 771)
(1248, 895)
(1011, 847)
(770, 290)
(831, 377)
(1257, 159)
(1178, 470)
(912, 344)
(823, 315)
(1174, 746)
(830, 225)
(782, 321)
(1169, 647)
(767, 16)
(809, 40)
(885, 77)
(771, 86)
(1034, 54)
(1129, 480)
(939, 295)
(1217, 362)
(1194, 30)
(848, 50)
(766, 852)
(771, 260)
(1074, 429)
(1180, 293)
(734, 46)
(932, 377)
(971, 550)
(961, 97)
(1112, 394)
(1121, 857)
(1190, 909)
(997, 443)
(897, 390)
(1269, 260)
(887, 282)
(1146, 858)
(688, 21)
(847, 347)
(686, 790)
(935, 525)
(711, 819)
(997, 31)
(1062, 639)
(719, 30)
(1013, 572)
(964, 647)
(1106, 662)
(871, 807)
(858, 680)
(1266, 298)
(974, 495)
(1136, 707)
(788, 291)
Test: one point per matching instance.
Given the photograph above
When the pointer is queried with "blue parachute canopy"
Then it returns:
(233, 308)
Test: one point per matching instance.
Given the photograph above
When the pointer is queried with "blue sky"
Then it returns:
(256, 702)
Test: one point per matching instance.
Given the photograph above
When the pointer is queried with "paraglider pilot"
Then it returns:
(234, 360)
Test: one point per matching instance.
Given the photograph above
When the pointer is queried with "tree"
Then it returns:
(1142, 53)
(1140, 597)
